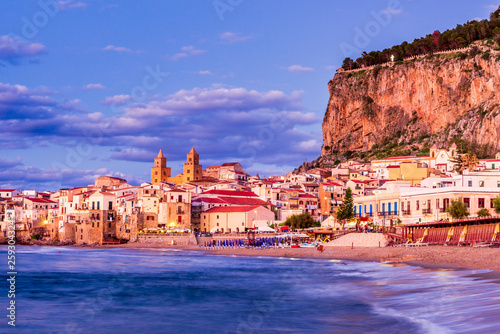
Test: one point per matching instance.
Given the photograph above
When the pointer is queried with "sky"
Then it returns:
(96, 87)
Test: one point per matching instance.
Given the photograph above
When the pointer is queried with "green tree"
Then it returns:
(304, 220)
(346, 210)
(496, 204)
(483, 213)
(457, 209)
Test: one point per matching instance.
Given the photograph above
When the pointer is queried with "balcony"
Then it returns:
(427, 211)
(442, 210)
(388, 213)
(406, 212)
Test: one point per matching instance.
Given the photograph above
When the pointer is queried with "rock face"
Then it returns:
(452, 96)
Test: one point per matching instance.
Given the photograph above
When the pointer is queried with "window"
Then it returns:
(179, 198)
(98, 204)
(93, 205)
(110, 206)
(480, 203)
(481, 183)
(491, 203)
(498, 184)
(492, 166)
(467, 201)
(217, 216)
(93, 224)
(97, 224)
(156, 173)
(418, 205)
(109, 225)
(469, 183)
(189, 171)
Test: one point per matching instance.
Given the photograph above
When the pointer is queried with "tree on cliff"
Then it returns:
(495, 14)
(347, 64)
(457, 209)
(346, 210)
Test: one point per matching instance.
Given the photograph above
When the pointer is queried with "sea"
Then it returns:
(119, 290)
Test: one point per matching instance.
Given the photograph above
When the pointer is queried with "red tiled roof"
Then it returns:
(209, 200)
(230, 193)
(230, 163)
(232, 209)
(307, 196)
(5, 190)
(243, 201)
(393, 166)
(41, 200)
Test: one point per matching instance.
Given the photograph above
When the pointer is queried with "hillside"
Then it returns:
(406, 106)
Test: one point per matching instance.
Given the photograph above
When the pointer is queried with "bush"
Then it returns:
(483, 213)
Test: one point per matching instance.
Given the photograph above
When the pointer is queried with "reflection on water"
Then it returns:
(65, 290)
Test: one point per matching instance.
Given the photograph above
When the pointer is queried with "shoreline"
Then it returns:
(429, 257)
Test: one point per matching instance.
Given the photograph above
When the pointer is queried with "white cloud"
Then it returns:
(116, 100)
(205, 73)
(232, 37)
(94, 86)
(71, 4)
(299, 69)
(14, 48)
(187, 51)
(111, 47)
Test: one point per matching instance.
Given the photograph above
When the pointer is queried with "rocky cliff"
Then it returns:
(403, 108)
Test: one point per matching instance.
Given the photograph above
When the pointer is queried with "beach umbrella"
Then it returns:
(463, 234)
(495, 233)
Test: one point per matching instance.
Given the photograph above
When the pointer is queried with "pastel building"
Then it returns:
(234, 218)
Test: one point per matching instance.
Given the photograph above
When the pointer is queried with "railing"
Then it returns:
(388, 213)
(442, 210)
(406, 212)
(427, 211)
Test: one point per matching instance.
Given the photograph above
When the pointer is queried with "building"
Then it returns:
(192, 170)
(234, 218)
(160, 172)
(9, 193)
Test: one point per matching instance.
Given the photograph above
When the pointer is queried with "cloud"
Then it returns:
(231, 37)
(205, 73)
(187, 51)
(120, 49)
(299, 69)
(12, 48)
(116, 100)
(71, 4)
(5, 163)
(222, 123)
(30, 177)
(94, 86)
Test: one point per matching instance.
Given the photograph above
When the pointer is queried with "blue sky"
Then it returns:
(95, 87)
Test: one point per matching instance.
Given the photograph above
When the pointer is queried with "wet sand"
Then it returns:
(452, 257)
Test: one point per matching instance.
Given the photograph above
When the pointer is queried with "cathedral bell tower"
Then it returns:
(160, 172)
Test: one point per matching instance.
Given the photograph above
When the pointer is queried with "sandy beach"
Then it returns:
(452, 257)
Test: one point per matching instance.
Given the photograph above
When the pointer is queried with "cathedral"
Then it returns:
(192, 169)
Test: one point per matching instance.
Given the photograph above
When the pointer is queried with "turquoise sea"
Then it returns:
(78, 290)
